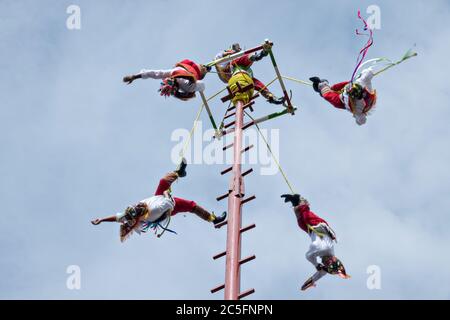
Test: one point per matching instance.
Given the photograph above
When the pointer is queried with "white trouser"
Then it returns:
(320, 247)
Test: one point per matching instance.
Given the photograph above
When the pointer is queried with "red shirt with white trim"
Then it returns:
(306, 217)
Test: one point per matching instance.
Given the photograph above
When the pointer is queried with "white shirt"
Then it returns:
(365, 80)
(220, 55)
(184, 84)
(157, 206)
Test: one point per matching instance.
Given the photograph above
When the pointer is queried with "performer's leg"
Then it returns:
(183, 205)
(261, 88)
(165, 183)
(318, 247)
(243, 61)
(339, 86)
(332, 97)
(169, 178)
(311, 255)
(224, 72)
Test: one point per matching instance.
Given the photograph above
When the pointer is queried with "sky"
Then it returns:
(77, 144)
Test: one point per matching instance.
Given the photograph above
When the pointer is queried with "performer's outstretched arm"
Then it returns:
(107, 219)
(145, 74)
(155, 74)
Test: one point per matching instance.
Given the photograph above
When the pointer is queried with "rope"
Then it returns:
(199, 112)
(226, 113)
(298, 81)
(194, 126)
(267, 85)
(273, 156)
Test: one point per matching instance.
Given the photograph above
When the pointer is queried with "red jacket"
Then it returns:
(306, 217)
(244, 61)
(191, 70)
(369, 100)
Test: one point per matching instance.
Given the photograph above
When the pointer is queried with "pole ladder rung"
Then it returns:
(218, 288)
(245, 260)
(248, 105)
(223, 196)
(226, 98)
(255, 96)
(246, 293)
(231, 108)
(248, 199)
(229, 124)
(247, 148)
(220, 255)
(221, 224)
(250, 227)
(225, 132)
(227, 146)
(248, 125)
(229, 115)
(247, 172)
(226, 170)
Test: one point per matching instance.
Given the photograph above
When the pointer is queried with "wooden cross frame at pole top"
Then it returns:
(240, 92)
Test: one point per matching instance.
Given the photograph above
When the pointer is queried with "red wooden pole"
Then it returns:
(234, 225)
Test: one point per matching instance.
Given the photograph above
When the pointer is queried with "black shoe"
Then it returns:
(220, 218)
(292, 198)
(274, 100)
(316, 81)
(181, 170)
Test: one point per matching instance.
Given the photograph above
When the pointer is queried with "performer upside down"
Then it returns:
(358, 97)
(149, 212)
(322, 241)
(182, 81)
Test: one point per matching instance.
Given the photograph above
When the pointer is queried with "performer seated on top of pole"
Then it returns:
(322, 237)
(243, 64)
(149, 212)
(358, 97)
(182, 81)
